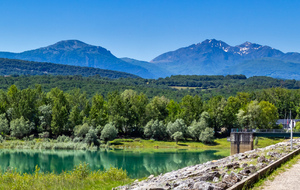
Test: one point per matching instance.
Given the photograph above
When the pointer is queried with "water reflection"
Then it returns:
(137, 164)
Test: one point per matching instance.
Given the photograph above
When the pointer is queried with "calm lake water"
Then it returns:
(137, 164)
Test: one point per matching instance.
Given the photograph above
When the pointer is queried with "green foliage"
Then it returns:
(91, 137)
(196, 128)
(81, 177)
(4, 125)
(256, 114)
(256, 141)
(20, 127)
(177, 136)
(155, 130)
(177, 126)
(109, 132)
(207, 136)
(8, 67)
(63, 138)
(81, 130)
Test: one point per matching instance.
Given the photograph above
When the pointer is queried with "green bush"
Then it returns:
(109, 132)
(155, 130)
(207, 136)
(81, 130)
(20, 127)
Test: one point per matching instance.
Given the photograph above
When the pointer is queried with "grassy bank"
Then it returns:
(217, 144)
(79, 178)
(139, 144)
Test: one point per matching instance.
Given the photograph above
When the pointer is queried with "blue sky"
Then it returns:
(143, 29)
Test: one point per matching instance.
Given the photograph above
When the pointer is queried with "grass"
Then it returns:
(263, 142)
(79, 178)
(284, 167)
(152, 144)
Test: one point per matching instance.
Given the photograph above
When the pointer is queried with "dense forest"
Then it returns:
(174, 87)
(31, 111)
(20, 67)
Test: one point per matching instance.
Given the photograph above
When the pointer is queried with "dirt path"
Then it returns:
(290, 180)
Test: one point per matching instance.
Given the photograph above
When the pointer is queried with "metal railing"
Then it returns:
(244, 130)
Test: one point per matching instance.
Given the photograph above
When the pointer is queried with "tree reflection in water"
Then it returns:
(137, 164)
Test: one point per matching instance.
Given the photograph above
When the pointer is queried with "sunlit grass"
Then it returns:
(81, 177)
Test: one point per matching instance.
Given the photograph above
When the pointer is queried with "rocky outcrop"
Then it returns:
(217, 174)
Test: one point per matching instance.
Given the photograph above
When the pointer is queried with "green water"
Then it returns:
(137, 164)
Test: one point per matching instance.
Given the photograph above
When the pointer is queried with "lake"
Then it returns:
(138, 164)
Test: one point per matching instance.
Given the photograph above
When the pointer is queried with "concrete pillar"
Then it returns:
(241, 142)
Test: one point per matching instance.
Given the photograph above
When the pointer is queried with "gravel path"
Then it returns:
(290, 180)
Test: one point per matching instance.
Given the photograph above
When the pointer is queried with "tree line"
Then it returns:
(32, 111)
(225, 86)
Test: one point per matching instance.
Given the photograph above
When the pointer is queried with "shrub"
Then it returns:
(155, 129)
(81, 130)
(63, 138)
(197, 128)
(77, 139)
(91, 137)
(256, 141)
(44, 135)
(177, 136)
(1, 139)
(207, 136)
(177, 126)
(109, 132)
(20, 127)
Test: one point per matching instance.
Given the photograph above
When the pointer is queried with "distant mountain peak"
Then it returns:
(68, 45)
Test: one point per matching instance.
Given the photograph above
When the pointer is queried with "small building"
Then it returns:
(287, 123)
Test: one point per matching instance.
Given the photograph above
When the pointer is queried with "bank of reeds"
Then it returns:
(46, 144)
(81, 177)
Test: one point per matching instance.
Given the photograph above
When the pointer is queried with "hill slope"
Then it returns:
(74, 52)
(153, 68)
(20, 67)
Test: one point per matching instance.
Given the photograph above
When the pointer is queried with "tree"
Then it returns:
(74, 117)
(215, 108)
(91, 137)
(207, 136)
(109, 132)
(155, 130)
(157, 108)
(191, 108)
(177, 126)
(261, 115)
(81, 130)
(45, 117)
(60, 111)
(98, 113)
(20, 127)
(4, 125)
(173, 111)
(268, 115)
(177, 136)
(197, 128)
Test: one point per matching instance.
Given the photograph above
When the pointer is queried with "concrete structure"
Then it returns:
(241, 142)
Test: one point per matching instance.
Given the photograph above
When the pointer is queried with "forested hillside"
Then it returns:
(175, 87)
(20, 67)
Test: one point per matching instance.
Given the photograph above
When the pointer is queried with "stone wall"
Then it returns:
(218, 174)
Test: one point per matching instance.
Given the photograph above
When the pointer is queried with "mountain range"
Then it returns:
(210, 57)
